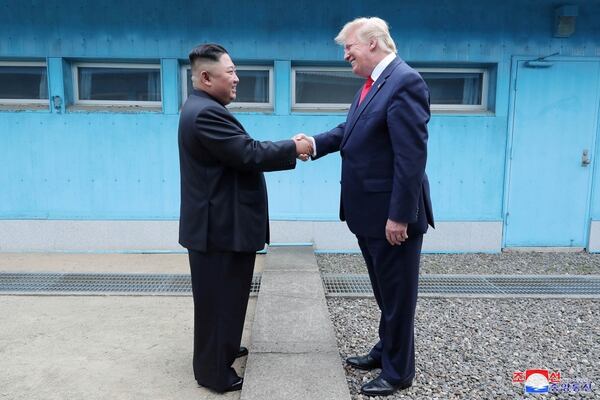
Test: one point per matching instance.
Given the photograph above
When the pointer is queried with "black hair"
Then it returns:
(207, 51)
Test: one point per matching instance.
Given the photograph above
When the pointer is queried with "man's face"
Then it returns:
(358, 54)
(224, 80)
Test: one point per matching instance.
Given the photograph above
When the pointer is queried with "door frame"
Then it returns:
(514, 64)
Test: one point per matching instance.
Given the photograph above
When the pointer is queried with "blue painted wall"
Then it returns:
(98, 165)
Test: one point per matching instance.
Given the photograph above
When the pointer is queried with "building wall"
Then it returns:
(81, 165)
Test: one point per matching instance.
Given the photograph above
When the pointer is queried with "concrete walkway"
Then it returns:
(293, 354)
(101, 347)
(140, 347)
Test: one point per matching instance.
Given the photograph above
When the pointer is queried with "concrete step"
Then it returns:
(293, 351)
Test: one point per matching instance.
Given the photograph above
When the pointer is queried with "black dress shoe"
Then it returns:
(364, 362)
(237, 385)
(381, 387)
(242, 352)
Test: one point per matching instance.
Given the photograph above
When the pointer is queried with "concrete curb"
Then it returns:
(293, 354)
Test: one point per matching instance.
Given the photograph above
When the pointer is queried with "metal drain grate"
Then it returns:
(90, 284)
(344, 285)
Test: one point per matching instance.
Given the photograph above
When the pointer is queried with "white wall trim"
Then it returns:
(140, 236)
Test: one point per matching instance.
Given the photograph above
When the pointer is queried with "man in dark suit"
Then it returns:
(224, 216)
(384, 190)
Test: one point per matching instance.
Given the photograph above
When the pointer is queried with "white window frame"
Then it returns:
(240, 105)
(463, 107)
(123, 103)
(26, 101)
(318, 106)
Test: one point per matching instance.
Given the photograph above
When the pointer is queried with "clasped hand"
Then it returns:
(304, 146)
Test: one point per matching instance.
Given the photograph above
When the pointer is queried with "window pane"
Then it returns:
(454, 88)
(120, 84)
(326, 87)
(23, 83)
(252, 88)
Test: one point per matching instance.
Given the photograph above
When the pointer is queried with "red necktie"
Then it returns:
(365, 89)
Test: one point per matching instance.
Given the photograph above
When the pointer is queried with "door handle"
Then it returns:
(585, 158)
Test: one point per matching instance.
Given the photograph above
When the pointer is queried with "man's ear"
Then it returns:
(205, 78)
(372, 44)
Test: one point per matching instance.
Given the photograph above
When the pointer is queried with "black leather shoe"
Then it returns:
(237, 385)
(242, 352)
(381, 387)
(364, 362)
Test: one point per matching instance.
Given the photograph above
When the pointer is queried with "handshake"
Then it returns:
(305, 146)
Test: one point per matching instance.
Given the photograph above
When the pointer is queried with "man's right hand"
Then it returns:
(304, 146)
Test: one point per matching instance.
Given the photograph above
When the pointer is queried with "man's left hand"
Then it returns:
(396, 232)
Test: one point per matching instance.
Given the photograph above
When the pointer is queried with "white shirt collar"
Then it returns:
(382, 66)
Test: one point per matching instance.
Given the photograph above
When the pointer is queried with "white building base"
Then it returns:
(161, 236)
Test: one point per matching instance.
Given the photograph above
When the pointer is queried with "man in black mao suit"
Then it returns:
(224, 216)
(384, 190)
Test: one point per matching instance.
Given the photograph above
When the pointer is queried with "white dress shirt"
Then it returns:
(379, 68)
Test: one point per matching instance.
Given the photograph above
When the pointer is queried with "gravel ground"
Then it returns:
(469, 348)
(510, 263)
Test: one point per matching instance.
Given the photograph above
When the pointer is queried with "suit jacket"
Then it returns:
(223, 191)
(383, 145)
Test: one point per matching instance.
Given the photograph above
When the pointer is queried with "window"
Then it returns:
(23, 83)
(333, 89)
(102, 84)
(254, 91)
(323, 88)
(457, 89)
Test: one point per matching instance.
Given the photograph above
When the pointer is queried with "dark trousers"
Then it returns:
(394, 274)
(221, 286)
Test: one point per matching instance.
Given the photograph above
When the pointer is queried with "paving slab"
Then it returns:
(97, 348)
(101, 347)
(307, 376)
(296, 284)
(291, 325)
(294, 353)
(290, 258)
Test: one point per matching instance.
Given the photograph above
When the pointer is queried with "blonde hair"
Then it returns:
(368, 28)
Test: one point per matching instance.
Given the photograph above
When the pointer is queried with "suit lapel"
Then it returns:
(353, 107)
(357, 109)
